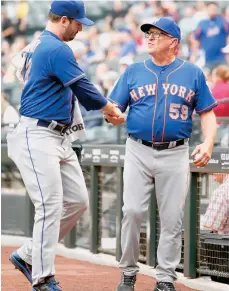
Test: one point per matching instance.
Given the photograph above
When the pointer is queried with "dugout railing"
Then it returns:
(99, 230)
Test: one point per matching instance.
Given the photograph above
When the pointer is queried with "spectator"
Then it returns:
(159, 11)
(225, 51)
(5, 52)
(8, 30)
(124, 63)
(100, 71)
(201, 13)
(141, 10)
(137, 35)
(93, 36)
(170, 10)
(118, 11)
(89, 52)
(220, 90)
(79, 50)
(226, 14)
(208, 76)
(216, 218)
(9, 114)
(211, 36)
(108, 81)
(22, 10)
(187, 23)
(128, 44)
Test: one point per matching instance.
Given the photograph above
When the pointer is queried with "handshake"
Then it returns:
(112, 114)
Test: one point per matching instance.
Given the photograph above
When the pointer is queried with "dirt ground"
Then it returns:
(75, 275)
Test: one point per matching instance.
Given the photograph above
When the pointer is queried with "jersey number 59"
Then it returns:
(178, 111)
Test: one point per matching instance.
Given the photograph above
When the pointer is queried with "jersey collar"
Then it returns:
(47, 32)
(158, 69)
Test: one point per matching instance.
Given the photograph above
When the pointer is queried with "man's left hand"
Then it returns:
(115, 120)
(202, 154)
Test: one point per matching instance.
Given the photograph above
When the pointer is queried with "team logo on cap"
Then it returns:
(156, 20)
(84, 6)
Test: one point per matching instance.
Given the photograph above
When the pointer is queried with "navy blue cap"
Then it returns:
(165, 24)
(72, 9)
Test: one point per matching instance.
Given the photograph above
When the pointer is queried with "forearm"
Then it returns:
(7, 32)
(209, 127)
(108, 108)
(88, 95)
(92, 99)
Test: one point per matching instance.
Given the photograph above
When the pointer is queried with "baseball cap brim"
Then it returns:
(146, 27)
(85, 21)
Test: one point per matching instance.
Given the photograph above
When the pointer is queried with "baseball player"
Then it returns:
(39, 145)
(161, 93)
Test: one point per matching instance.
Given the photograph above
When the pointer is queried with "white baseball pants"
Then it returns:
(55, 183)
(170, 169)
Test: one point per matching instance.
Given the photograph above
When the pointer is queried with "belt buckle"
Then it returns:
(63, 130)
(52, 124)
(172, 144)
(158, 146)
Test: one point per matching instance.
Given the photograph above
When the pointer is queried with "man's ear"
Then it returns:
(174, 43)
(64, 20)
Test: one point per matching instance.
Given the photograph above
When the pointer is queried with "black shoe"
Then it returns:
(49, 285)
(21, 265)
(164, 286)
(127, 283)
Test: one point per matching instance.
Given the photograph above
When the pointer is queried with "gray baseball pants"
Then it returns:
(170, 169)
(54, 180)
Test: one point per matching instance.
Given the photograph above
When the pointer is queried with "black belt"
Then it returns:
(157, 145)
(58, 127)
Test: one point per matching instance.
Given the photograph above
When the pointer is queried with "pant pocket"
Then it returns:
(13, 141)
(11, 146)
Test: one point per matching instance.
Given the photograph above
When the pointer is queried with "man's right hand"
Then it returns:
(113, 114)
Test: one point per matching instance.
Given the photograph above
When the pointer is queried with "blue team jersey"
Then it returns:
(50, 69)
(212, 34)
(162, 99)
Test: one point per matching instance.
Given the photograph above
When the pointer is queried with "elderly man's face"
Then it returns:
(158, 41)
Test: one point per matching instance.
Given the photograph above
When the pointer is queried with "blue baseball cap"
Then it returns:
(165, 24)
(72, 9)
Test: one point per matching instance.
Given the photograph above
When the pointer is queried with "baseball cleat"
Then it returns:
(164, 286)
(127, 283)
(50, 285)
(21, 265)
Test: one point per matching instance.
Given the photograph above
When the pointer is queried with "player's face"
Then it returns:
(71, 30)
(212, 10)
(158, 42)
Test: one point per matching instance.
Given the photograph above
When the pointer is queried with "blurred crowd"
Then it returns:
(105, 50)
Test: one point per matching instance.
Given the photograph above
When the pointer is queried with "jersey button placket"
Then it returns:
(160, 109)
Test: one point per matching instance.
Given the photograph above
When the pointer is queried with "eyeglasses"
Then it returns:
(156, 34)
